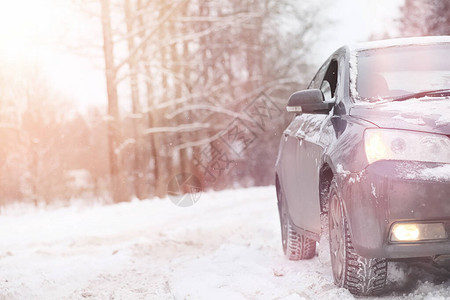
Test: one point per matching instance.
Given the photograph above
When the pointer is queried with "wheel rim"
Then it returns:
(337, 239)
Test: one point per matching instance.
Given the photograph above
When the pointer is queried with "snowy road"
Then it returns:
(227, 246)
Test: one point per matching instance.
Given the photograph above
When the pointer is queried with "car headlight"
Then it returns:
(391, 144)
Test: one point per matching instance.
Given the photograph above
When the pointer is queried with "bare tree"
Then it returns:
(137, 117)
(425, 17)
(199, 64)
(118, 180)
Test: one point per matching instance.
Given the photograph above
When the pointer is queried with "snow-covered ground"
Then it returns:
(226, 246)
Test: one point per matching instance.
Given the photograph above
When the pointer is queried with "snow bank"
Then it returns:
(226, 246)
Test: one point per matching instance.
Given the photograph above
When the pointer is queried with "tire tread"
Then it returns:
(299, 246)
(364, 276)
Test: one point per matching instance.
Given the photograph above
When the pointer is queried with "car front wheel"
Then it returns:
(361, 276)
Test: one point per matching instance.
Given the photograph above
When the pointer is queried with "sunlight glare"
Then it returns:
(24, 24)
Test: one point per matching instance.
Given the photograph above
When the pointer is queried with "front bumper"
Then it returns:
(387, 192)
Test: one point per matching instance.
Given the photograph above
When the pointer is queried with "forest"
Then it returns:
(193, 86)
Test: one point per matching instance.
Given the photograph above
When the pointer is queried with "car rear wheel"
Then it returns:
(296, 246)
(361, 276)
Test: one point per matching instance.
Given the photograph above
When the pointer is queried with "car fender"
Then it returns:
(345, 156)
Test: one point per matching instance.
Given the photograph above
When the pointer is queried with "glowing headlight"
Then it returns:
(393, 144)
(410, 232)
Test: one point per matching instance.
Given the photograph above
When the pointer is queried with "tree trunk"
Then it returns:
(152, 119)
(138, 164)
(118, 180)
(165, 158)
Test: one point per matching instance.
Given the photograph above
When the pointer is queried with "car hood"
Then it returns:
(426, 114)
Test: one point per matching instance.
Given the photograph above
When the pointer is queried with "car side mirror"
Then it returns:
(308, 101)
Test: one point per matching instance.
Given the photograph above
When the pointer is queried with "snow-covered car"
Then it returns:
(369, 147)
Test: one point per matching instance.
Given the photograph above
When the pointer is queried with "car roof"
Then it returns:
(425, 40)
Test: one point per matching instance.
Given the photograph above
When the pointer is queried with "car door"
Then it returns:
(288, 163)
(303, 202)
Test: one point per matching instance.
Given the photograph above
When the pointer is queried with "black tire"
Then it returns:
(361, 276)
(296, 246)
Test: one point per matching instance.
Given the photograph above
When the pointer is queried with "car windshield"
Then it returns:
(403, 72)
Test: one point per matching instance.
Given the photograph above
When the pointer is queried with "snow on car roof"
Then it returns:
(424, 40)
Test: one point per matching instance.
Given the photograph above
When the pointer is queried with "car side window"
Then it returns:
(329, 83)
(326, 90)
(326, 79)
